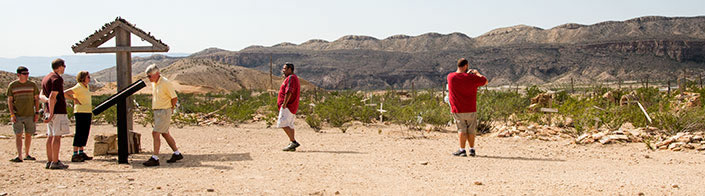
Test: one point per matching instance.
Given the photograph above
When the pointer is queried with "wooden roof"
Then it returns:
(108, 31)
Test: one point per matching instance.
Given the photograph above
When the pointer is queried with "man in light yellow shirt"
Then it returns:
(163, 103)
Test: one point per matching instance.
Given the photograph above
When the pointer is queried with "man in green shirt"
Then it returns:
(23, 103)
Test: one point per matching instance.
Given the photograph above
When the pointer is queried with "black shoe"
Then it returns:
(292, 146)
(85, 156)
(151, 162)
(472, 152)
(76, 158)
(460, 153)
(63, 165)
(175, 157)
(16, 160)
(58, 165)
(30, 158)
(48, 164)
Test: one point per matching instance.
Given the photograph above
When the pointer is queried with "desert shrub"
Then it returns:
(242, 106)
(499, 105)
(648, 96)
(684, 121)
(314, 121)
(338, 108)
(532, 91)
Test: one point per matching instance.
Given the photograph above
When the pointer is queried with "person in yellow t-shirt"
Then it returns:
(163, 103)
(82, 106)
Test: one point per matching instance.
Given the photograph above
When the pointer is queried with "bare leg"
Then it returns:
(49, 139)
(27, 143)
(55, 147)
(471, 140)
(157, 144)
(18, 144)
(170, 140)
(290, 133)
(463, 137)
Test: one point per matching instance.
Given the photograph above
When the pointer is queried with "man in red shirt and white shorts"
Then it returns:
(288, 103)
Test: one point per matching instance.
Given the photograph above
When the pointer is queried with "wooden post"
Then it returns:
(619, 85)
(413, 91)
(124, 79)
(647, 81)
(700, 77)
(572, 88)
(271, 79)
(669, 87)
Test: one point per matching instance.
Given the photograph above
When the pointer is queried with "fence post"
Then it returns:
(572, 88)
(413, 91)
(669, 87)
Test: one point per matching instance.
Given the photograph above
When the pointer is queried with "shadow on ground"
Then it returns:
(330, 151)
(190, 160)
(520, 158)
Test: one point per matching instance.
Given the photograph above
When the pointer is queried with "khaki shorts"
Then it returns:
(24, 124)
(466, 122)
(285, 119)
(59, 125)
(162, 120)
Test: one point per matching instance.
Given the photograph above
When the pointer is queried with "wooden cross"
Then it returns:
(121, 30)
(381, 112)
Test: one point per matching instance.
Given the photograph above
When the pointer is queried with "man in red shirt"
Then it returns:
(462, 86)
(288, 103)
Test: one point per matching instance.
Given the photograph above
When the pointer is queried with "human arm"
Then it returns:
(52, 103)
(477, 73)
(10, 105)
(286, 100)
(287, 93)
(70, 95)
(36, 107)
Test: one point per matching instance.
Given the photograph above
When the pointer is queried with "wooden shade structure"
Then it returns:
(121, 30)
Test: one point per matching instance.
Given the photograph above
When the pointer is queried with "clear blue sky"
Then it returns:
(49, 28)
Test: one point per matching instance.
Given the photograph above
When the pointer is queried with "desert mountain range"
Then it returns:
(653, 46)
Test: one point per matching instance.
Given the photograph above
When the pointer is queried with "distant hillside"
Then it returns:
(139, 65)
(652, 46)
(69, 81)
(211, 76)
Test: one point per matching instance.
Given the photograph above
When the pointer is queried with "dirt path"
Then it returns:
(248, 160)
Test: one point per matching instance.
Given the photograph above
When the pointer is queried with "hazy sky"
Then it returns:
(49, 28)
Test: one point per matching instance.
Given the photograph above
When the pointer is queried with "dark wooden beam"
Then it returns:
(97, 35)
(103, 39)
(124, 49)
(124, 78)
(145, 37)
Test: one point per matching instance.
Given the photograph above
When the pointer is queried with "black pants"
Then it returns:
(83, 127)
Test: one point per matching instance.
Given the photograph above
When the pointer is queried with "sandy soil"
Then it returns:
(246, 159)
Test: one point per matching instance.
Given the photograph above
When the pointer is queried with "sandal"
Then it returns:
(29, 158)
(16, 160)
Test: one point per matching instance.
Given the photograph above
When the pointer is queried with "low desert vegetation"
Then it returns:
(426, 110)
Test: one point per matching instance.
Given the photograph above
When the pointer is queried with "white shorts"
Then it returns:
(285, 119)
(59, 125)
